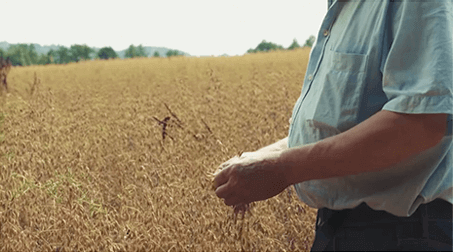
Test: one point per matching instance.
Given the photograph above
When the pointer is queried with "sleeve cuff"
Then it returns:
(420, 104)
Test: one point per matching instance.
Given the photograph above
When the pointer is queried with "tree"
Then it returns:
(294, 45)
(265, 47)
(310, 41)
(171, 53)
(47, 58)
(63, 55)
(80, 52)
(22, 54)
(16, 55)
(107, 53)
(251, 51)
(51, 54)
(131, 52)
(43, 59)
(32, 54)
(2, 53)
(156, 54)
(141, 51)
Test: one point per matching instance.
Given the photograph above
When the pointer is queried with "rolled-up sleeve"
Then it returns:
(417, 67)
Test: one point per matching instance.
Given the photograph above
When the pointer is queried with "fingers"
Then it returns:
(226, 164)
(217, 171)
(221, 178)
(232, 201)
(230, 196)
(226, 180)
(222, 191)
(234, 160)
(229, 162)
(240, 208)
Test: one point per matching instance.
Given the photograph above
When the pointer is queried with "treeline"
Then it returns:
(25, 55)
(265, 46)
(139, 51)
(133, 52)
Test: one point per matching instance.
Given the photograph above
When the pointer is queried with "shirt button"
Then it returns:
(326, 33)
(310, 77)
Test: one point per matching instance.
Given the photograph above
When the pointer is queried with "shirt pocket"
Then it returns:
(349, 62)
(340, 92)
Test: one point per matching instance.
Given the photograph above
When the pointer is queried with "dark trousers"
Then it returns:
(362, 228)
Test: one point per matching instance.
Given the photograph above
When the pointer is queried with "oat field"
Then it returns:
(84, 165)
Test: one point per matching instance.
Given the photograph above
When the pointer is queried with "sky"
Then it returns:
(199, 27)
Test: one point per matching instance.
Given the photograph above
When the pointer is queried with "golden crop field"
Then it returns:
(84, 166)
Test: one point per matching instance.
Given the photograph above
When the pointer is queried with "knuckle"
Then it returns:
(234, 170)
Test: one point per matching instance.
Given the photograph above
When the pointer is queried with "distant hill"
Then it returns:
(45, 49)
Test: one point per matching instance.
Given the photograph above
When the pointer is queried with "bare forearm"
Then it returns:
(383, 140)
(280, 145)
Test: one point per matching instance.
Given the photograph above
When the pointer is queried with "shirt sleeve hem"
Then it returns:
(420, 104)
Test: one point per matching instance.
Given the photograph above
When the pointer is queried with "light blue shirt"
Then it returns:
(371, 56)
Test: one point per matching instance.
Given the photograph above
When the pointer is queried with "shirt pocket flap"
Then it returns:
(348, 62)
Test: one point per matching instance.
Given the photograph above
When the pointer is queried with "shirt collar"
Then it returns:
(329, 3)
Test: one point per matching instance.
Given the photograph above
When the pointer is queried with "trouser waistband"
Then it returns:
(430, 226)
(363, 215)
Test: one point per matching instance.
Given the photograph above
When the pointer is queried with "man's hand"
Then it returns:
(251, 177)
(245, 157)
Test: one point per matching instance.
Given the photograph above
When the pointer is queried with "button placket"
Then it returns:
(330, 19)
